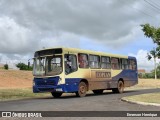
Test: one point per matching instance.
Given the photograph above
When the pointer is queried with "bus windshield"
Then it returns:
(39, 66)
(53, 65)
(47, 66)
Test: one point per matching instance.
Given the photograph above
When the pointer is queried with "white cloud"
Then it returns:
(13, 37)
(142, 60)
(112, 22)
(61, 40)
(28, 26)
(13, 59)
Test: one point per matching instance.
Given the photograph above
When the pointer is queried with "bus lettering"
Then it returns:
(103, 74)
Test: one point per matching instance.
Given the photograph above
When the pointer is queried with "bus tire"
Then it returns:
(97, 91)
(82, 90)
(120, 87)
(56, 94)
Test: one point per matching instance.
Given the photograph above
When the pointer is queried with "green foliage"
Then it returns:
(150, 75)
(151, 32)
(153, 54)
(154, 34)
(146, 75)
(6, 67)
(23, 66)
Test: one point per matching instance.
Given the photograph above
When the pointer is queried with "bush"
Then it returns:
(146, 75)
(23, 66)
(6, 67)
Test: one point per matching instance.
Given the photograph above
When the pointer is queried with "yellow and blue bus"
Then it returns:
(70, 70)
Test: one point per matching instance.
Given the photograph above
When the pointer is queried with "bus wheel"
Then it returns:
(56, 94)
(82, 89)
(97, 91)
(120, 88)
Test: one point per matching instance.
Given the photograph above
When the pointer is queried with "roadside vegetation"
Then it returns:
(146, 98)
(153, 33)
(23, 66)
(145, 84)
(151, 74)
(16, 94)
(6, 67)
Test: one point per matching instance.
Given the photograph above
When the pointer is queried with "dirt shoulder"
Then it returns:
(145, 84)
(23, 79)
(15, 79)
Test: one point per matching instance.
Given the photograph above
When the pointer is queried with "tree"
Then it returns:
(6, 66)
(154, 54)
(23, 66)
(154, 34)
(158, 71)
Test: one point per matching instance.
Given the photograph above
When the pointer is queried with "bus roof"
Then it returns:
(76, 50)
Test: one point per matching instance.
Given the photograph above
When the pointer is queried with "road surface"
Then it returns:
(105, 102)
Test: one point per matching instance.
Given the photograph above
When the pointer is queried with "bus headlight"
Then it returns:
(59, 81)
(34, 83)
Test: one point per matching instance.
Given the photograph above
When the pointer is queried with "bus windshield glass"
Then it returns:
(53, 65)
(39, 66)
(47, 66)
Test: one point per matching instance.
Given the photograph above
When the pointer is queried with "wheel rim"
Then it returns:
(120, 87)
(82, 89)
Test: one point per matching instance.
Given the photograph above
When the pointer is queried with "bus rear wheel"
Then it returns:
(56, 94)
(97, 91)
(82, 89)
(120, 87)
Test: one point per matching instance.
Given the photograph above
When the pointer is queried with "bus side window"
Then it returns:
(83, 60)
(105, 62)
(70, 63)
(124, 63)
(132, 64)
(94, 61)
(115, 63)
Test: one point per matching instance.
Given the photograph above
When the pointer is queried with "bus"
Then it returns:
(71, 70)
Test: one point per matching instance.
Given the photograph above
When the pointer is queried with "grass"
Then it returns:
(146, 84)
(15, 94)
(147, 98)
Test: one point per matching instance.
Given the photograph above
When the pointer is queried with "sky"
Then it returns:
(111, 26)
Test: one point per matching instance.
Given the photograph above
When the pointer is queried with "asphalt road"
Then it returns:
(105, 102)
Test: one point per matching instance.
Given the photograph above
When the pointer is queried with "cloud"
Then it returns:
(62, 40)
(142, 60)
(28, 26)
(13, 37)
(112, 22)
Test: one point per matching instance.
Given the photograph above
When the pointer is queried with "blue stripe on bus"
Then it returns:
(127, 75)
(71, 84)
(45, 84)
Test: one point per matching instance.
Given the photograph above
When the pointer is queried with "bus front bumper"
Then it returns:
(46, 88)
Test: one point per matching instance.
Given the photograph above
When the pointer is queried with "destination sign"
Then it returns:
(103, 74)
